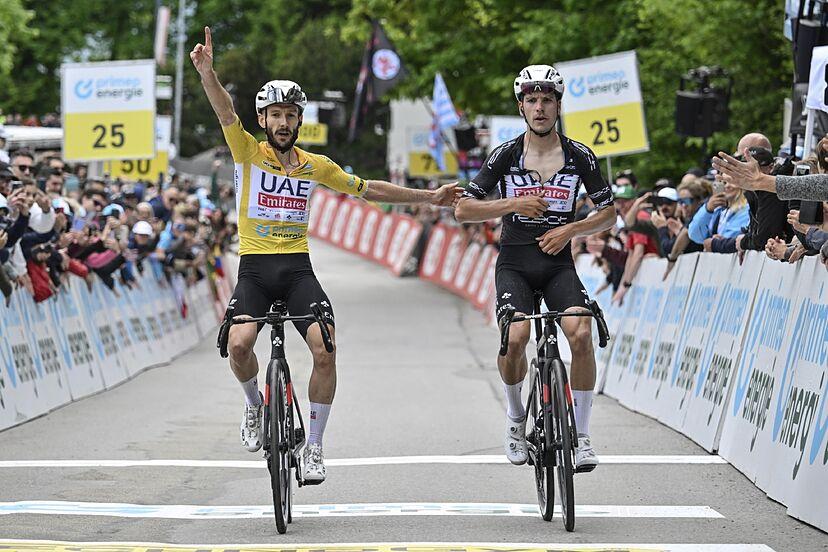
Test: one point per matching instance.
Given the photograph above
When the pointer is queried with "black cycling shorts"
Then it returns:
(289, 277)
(523, 269)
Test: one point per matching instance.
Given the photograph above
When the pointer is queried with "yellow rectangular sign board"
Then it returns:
(422, 164)
(313, 134)
(610, 130)
(102, 136)
(139, 169)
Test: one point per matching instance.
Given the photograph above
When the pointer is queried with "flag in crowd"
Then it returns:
(444, 116)
(381, 70)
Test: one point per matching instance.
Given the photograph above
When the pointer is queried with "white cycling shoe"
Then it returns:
(585, 458)
(314, 464)
(251, 427)
(515, 443)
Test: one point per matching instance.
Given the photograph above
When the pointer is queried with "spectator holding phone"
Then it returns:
(724, 214)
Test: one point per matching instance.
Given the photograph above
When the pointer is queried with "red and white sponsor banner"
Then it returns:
(407, 231)
(478, 272)
(340, 222)
(327, 216)
(368, 232)
(379, 252)
(435, 252)
(350, 239)
(451, 261)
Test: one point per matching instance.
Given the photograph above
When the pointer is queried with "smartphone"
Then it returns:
(16, 185)
(718, 186)
(810, 212)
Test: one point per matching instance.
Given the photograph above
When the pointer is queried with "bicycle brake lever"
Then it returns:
(505, 325)
(326, 335)
(603, 330)
(224, 332)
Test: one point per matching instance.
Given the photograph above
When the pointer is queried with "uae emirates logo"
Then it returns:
(386, 64)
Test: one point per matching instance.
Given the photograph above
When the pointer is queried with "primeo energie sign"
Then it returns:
(108, 110)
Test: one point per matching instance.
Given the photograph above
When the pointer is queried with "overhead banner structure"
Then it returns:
(147, 169)
(602, 105)
(108, 110)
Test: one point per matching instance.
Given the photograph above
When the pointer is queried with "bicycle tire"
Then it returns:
(544, 473)
(562, 407)
(279, 459)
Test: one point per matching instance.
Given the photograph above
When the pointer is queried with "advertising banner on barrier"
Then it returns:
(635, 339)
(340, 221)
(327, 216)
(350, 241)
(435, 252)
(403, 241)
(722, 344)
(382, 239)
(654, 395)
(747, 437)
(141, 329)
(317, 205)
(451, 260)
(800, 416)
(74, 342)
(478, 272)
(485, 298)
(94, 305)
(464, 269)
(368, 232)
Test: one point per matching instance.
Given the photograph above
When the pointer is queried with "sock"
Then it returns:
(251, 391)
(514, 405)
(318, 420)
(583, 408)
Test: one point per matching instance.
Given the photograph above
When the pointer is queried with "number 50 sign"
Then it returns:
(602, 104)
(108, 110)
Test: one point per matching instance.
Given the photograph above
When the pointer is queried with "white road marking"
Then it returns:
(184, 511)
(384, 461)
(397, 546)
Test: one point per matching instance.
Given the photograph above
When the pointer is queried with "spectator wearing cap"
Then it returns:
(767, 212)
(626, 178)
(4, 136)
(6, 176)
(665, 218)
(642, 240)
(624, 200)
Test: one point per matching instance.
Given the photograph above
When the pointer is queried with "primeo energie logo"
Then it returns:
(109, 87)
(603, 82)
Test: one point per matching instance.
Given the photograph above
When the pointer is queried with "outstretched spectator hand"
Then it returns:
(797, 253)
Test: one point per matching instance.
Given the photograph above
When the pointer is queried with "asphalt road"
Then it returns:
(416, 378)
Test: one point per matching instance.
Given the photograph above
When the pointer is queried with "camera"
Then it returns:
(802, 169)
(16, 185)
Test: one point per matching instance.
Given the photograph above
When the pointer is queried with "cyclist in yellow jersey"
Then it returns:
(273, 183)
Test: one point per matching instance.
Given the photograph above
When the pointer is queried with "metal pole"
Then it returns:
(609, 170)
(809, 134)
(179, 74)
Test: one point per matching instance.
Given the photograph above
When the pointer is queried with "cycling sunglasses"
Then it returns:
(686, 201)
(763, 156)
(274, 94)
(542, 87)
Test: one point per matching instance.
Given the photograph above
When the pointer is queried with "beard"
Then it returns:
(271, 139)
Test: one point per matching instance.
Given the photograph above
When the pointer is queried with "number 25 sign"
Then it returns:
(602, 104)
(108, 110)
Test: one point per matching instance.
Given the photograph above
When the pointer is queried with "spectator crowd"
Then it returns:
(57, 223)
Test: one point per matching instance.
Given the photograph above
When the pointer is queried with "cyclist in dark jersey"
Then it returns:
(538, 176)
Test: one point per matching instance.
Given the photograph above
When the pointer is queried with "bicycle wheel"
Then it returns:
(565, 452)
(544, 479)
(279, 461)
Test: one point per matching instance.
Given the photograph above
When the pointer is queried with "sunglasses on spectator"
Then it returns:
(24, 168)
(763, 156)
(686, 201)
(98, 203)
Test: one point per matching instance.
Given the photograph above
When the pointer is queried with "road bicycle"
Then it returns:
(551, 433)
(283, 439)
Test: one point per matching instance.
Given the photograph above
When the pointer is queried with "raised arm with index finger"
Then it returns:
(220, 100)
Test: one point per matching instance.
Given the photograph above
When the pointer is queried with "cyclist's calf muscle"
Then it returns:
(513, 366)
(243, 359)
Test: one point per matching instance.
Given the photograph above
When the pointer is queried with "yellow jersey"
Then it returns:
(272, 204)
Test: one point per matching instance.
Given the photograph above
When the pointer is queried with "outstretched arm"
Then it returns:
(385, 192)
(220, 100)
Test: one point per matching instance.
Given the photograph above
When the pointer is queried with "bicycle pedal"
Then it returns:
(312, 482)
(586, 468)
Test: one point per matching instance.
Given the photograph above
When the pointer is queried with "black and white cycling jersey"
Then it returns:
(504, 168)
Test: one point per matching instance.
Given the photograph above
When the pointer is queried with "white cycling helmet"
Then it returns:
(281, 91)
(533, 78)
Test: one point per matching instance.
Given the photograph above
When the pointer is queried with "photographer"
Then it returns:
(724, 214)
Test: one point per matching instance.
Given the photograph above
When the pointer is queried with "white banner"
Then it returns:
(722, 344)
(503, 128)
(108, 86)
(800, 424)
(746, 440)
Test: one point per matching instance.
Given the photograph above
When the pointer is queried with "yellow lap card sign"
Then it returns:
(108, 110)
(602, 104)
